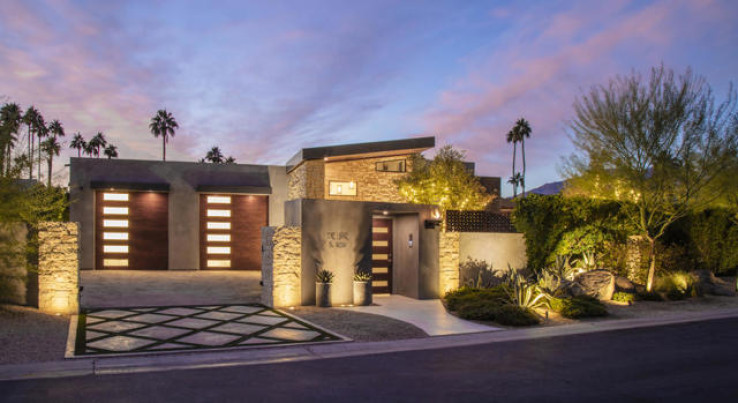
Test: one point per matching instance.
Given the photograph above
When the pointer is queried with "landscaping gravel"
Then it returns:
(29, 336)
(358, 326)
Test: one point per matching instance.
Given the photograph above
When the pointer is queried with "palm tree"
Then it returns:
(52, 148)
(516, 180)
(111, 151)
(56, 130)
(98, 142)
(11, 118)
(513, 137)
(215, 156)
(230, 160)
(523, 128)
(41, 132)
(31, 118)
(78, 143)
(163, 124)
(89, 148)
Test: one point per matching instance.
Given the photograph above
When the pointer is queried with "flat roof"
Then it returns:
(412, 145)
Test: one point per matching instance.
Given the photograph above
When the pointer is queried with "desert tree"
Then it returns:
(654, 144)
(111, 151)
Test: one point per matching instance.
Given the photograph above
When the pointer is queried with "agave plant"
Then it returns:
(362, 276)
(551, 284)
(324, 276)
(523, 293)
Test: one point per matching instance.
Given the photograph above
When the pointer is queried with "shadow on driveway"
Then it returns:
(134, 288)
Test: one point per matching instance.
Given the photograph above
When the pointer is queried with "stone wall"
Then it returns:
(637, 259)
(58, 268)
(306, 181)
(448, 254)
(371, 185)
(13, 272)
(281, 266)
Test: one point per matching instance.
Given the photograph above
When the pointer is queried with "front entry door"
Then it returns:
(381, 256)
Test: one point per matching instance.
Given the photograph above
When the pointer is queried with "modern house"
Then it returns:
(155, 215)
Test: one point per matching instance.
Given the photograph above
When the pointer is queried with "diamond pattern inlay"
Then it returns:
(142, 329)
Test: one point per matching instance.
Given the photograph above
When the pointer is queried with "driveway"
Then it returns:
(132, 288)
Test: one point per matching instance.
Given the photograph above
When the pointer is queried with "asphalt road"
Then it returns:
(695, 362)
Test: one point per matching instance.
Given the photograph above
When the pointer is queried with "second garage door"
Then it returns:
(230, 231)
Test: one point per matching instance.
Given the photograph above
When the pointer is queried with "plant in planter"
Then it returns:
(362, 288)
(323, 281)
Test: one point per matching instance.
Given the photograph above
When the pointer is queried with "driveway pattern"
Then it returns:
(156, 329)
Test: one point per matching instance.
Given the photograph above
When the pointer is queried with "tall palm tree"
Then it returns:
(89, 148)
(41, 132)
(11, 118)
(111, 151)
(513, 137)
(31, 118)
(215, 156)
(98, 142)
(524, 130)
(78, 143)
(52, 148)
(56, 130)
(163, 124)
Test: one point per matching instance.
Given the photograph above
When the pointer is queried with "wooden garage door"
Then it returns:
(230, 231)
(131, 230)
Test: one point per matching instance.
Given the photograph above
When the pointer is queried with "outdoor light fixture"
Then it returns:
(435, 221)
(385, 212)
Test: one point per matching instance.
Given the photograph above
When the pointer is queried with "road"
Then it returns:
(695, 362)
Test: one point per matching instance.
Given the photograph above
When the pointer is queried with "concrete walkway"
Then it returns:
(429, 315)
(135, 288)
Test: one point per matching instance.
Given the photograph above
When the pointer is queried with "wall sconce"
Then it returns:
(436, 214)
(430, 224)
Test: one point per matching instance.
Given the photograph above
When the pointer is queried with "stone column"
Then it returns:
(448, 254)
(58, 268)
(281, 266)
(637, 259)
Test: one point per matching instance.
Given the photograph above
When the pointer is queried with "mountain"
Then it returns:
(550, 188)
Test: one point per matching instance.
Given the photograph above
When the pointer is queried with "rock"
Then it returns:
(597, 283)
(623, 284)
(709, 284)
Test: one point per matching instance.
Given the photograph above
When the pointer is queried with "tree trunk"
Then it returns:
(515, 183)
(30, 153)
(39, 158)
(522, 143)
(48, 179)
(164, 147)
(10, 157)
(651, 264)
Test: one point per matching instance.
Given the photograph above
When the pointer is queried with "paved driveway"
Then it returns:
(131, 288)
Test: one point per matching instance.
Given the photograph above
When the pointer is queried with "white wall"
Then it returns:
(497, 248)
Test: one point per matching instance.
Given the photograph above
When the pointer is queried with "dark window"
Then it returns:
(391, 166)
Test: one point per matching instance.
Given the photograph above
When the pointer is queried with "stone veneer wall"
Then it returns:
(58, 268)
(13, 272)
(448, 254)
(306, 181)
(281, 266)
(371, 185)
(636, 261)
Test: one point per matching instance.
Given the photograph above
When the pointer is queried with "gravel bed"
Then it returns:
(29, 336)
(358, 326)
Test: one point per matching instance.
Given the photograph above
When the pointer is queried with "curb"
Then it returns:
(219, 359)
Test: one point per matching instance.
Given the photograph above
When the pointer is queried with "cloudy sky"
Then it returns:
(262, 79)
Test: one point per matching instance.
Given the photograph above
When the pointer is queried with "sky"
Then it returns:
(263, 79)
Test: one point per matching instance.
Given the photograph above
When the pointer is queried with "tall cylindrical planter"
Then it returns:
(362, 293)
(323, 294)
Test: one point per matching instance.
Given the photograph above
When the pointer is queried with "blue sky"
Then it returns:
(263, 79)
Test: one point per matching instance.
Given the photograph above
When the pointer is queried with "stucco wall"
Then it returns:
(183, 178)
(371, 185)
(281, 266)
(497, 248)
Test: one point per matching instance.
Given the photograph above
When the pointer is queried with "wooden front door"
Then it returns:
(381, 256)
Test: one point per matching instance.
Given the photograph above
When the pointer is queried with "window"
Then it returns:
(391, 166)
(342, 188)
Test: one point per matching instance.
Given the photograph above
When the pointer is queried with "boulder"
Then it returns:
(709, 284)
(597, 283)
(623, 284)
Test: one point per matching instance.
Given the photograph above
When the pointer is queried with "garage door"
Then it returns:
(230, 231)
(131, 230)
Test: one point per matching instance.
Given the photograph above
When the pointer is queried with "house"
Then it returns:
(339, 203)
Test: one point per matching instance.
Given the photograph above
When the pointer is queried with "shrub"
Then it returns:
(479, 309)
(677, 285)
(623, 296)
(478, 274)
(649, 296)
(455, 300)
(513, 315)
(556, 304)
(523, 293)
(583, 307)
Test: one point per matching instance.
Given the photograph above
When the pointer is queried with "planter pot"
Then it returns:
(323, 294)
(362, 293)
